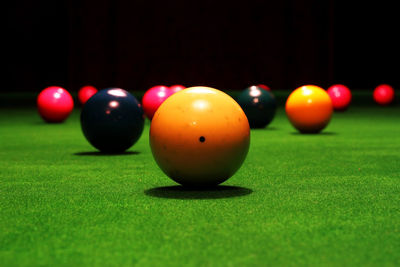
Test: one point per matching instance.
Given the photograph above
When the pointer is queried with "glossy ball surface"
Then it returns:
(176, 88)
(384, 94)
(85, 93)
(264, 87)
(112, 120)
(199, 137)
(55, 104)
(340, 96)
(309, 109)
(259, 105)
(153, 98)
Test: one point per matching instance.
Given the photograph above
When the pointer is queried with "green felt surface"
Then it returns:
(327, 199)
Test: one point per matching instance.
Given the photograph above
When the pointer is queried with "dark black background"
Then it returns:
(225, 44)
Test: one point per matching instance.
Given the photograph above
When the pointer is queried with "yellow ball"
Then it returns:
(309, 109)
(199, 136)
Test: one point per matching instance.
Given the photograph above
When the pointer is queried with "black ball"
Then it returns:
(112, 120)
(259, 105)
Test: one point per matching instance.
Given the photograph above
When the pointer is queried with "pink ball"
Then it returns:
(85, 93)
(384, 94)
(55, 104)
(340, 96)
(153, 98)
(177, 87)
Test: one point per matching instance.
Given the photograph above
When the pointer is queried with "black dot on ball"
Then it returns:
(202, 139)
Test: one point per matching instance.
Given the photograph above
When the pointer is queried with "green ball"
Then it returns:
(259, 105)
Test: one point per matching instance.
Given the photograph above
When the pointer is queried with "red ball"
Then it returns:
(153, 98)
(263, 86)
(177, 88)
(340, 96)
(85, 93)
(55, 104)
(384, 94)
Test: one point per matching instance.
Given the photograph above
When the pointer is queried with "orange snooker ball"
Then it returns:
(199, 136)
(309, 109)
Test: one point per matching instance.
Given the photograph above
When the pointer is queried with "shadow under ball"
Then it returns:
(259, 106)
(112, 120)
